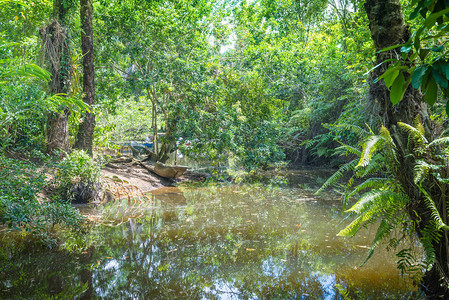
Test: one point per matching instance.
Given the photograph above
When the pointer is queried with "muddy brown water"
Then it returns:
(212, 242)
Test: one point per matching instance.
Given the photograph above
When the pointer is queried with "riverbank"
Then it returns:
(136, 175)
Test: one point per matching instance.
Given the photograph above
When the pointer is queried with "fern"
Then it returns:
(377, 199)
(337, 176)
(433, 210)
(353, 227)
(422, 170)
(359, 131)
(440, 179)
(384, 199)
(346, 149)
(370, 183)
(383, 231)
(385, 134)
(429, 237)
(440, 141)
(372, 145)
(415, 134)
(375, 167)
(407, 262)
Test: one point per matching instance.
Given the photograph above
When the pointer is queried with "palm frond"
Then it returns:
(32, 70)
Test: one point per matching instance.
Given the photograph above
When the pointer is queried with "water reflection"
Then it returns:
(222, 242)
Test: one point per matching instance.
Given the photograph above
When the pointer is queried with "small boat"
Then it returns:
(167, 171)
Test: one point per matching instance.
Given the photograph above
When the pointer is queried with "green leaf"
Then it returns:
(431, 19)
(442, 81)
(389, 79)
(397, 89)
(415, 13)
(423, 53)
(406, 49)
(437, 49)
(32, 70)
(14, 2)
(418, 75)
(445, 70)
(390, 48)
(431, 91)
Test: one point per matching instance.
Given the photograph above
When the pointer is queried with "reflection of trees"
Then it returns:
(33, 272)
(244, 242)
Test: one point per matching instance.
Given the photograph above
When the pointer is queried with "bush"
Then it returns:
(22, 206)
(76, 179)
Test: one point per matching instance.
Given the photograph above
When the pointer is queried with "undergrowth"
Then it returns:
(23, 205)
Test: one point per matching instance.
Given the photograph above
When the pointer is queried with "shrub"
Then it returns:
(76, 179)
(22, 206)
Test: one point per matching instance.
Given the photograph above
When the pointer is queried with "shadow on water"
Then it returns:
(214, 242)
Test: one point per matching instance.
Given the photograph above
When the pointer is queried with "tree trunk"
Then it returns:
(57, 54)
(388, 28)
(86, 130)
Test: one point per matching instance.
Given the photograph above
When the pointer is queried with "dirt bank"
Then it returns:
(134, 175)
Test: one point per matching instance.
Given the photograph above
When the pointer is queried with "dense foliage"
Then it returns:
(247, 85)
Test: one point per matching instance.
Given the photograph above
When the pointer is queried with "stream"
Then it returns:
(212, 242)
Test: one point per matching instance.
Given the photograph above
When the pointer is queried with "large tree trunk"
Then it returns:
(86, 130)
(57, 53)
(388, 28)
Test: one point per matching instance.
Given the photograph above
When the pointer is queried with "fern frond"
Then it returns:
(421, 170)
(383, 231)
(349, 127)
(346, 149)
(429, 237)
(370, 183)
(440, 141)
(385, 133)
(440, 179)
(414, 133)
(370, 146)
(433, 210)
(378, 198)
(375, 166)
(337, 175)
(353, 227)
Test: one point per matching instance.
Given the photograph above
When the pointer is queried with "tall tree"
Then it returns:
(57, 52)
(86, 130)
(388, 29)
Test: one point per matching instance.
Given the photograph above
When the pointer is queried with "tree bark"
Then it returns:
(57, 53)
(86, 129)
(388, 28)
